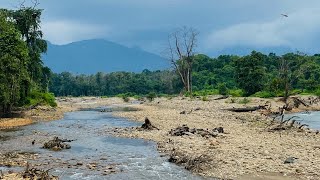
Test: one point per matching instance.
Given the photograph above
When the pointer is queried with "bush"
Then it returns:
(125, 98)
(263, 94)
(206, 92)
(205, 98)
(223, 90)
(244, 101)
(317, 92)
(38, 98)
(236, 92)
(151, 96)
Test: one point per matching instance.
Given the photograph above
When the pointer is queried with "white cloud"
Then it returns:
(64, 31)
(299, 30)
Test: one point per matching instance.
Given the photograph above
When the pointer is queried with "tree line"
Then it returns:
(22, 73)
(255, 74)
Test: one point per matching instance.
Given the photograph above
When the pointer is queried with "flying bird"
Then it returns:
(284, 15)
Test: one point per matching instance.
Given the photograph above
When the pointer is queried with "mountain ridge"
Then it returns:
(99, 55)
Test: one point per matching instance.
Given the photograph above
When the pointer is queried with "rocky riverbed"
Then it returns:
(245, 149)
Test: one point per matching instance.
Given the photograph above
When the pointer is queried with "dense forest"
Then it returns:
(23, 77)
(255, 74)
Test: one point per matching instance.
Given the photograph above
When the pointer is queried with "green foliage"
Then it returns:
(125, 98)
(223, 90)
(204, 98)
(244, 101)
(151, 96)
(112, 84)
(236, 92)
(317, 92)
(38, 98)
(250, 73)
(21, 68)
(263, 94)
(206, 92)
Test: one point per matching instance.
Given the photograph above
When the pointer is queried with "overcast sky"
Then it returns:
(147, 23)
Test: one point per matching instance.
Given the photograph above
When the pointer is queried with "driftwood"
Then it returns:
(194, 163)
(246, 109)
(33, 173)
(147, 125)
(298, 101)
(57, 144)
(185, 130)
(222, 97)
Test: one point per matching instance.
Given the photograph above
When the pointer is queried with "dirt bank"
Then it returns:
(246, 147)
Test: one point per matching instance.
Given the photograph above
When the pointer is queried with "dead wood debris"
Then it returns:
(195, 163)
(147, 125)
(185, 130)
(57, 144)
(33, 173)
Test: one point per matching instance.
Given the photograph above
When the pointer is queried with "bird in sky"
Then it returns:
(284, 15)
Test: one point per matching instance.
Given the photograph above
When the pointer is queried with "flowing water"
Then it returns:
(131, 158)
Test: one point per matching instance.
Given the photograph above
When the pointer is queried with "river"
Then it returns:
(130, 158)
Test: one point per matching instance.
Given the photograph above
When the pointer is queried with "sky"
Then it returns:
(146, 24)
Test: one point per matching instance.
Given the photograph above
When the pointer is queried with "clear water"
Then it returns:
(132, 158)
(310, 118)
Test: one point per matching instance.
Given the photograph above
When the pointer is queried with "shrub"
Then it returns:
(151, 96)
(223, 90)
(38, 98)
(244, 101)
(236, 92)
(204, 98)
(125, 98)
(263, 94)
(206, 92)
(317, 92)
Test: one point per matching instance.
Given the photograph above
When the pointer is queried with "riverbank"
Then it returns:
(246, 147)
(45, 113)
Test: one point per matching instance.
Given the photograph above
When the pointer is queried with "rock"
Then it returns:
(183, 112)
(290, 160)
(218, 130)
(79, 164)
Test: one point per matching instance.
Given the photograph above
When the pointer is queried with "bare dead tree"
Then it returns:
(181, 44)
(284, 75)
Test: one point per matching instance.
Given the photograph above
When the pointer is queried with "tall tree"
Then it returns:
(182, 44)
(27, 20)
(250, 72)
(13, 64)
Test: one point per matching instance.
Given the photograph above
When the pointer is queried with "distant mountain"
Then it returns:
(243, 50)
(92, 56)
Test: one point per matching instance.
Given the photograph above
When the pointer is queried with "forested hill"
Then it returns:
(91, 56)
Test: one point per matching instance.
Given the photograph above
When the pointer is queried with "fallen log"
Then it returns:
(246, 109)
(222, 97)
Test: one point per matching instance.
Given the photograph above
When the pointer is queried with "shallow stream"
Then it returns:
(310, 118)
(130, 158)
